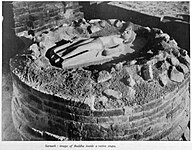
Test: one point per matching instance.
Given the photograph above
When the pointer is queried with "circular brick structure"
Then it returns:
(140, 96)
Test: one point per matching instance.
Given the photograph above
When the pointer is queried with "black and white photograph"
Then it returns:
(95, 71)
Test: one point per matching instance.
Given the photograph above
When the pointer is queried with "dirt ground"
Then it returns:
(155, 8)
(152, 8)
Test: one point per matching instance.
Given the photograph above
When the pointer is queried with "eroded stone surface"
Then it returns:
(83, 82)
(147, 72)
(176, 76)
(104, 76)
(163, 78)
(112, 93)
(173, 60)
(183, 68)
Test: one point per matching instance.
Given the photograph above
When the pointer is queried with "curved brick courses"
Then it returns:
(165, 118)
(51, 103)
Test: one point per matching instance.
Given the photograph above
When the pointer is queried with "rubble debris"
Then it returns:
(112, 93)
(176, 75)
(104, 76)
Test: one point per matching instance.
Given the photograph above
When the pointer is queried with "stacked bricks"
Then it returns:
(39, 16)
(39, 116)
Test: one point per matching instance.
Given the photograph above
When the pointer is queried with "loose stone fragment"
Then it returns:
(113, 70)
(176, 75)
(167, 65)
(138, 69)
(112, 93)
(118, 66)
(90, 101)
(147, 72)
(185, 60)
(183, 52)
(173, 61)
(173, 43)
(161, 56)
(35, 50)
(102, 23)
(103, 99)
(130, 81)
(133, 62)
(175, 52)
(163, 78)
(103, 76)
(183, 68)
(165, 36)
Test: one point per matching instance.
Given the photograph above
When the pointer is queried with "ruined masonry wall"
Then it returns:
(39, 16)
(165, 118)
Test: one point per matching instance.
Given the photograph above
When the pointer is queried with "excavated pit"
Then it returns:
(142, 95)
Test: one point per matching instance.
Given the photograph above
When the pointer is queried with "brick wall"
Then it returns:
(165, 118)
(39, 16)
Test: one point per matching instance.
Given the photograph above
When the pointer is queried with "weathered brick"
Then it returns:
(92, 131)
(150, 112)
(177, 110)
(115, 112)
(20, 11)
(53, 10)
(168, 109)
(139, 122)
(19, 116)
(175, 134)
(70, 116)
(170, 95)
(68, 108)
(153, 104)
(158, 115)
(137, 109)
(112, 119)
(154, 129)
(185, 83)
(136, 116)
(187, 134)
(33, 5)
(26, 100)
(177, 101)
(36, 9)
(167, 130)
(131, 131)
(124, 138)
(107, 133)
(20, 29)
(58, 113)
(120, 128)
(19, 24)
(164, 105)
(21, 18)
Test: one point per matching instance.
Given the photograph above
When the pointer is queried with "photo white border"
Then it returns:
(120, 145)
